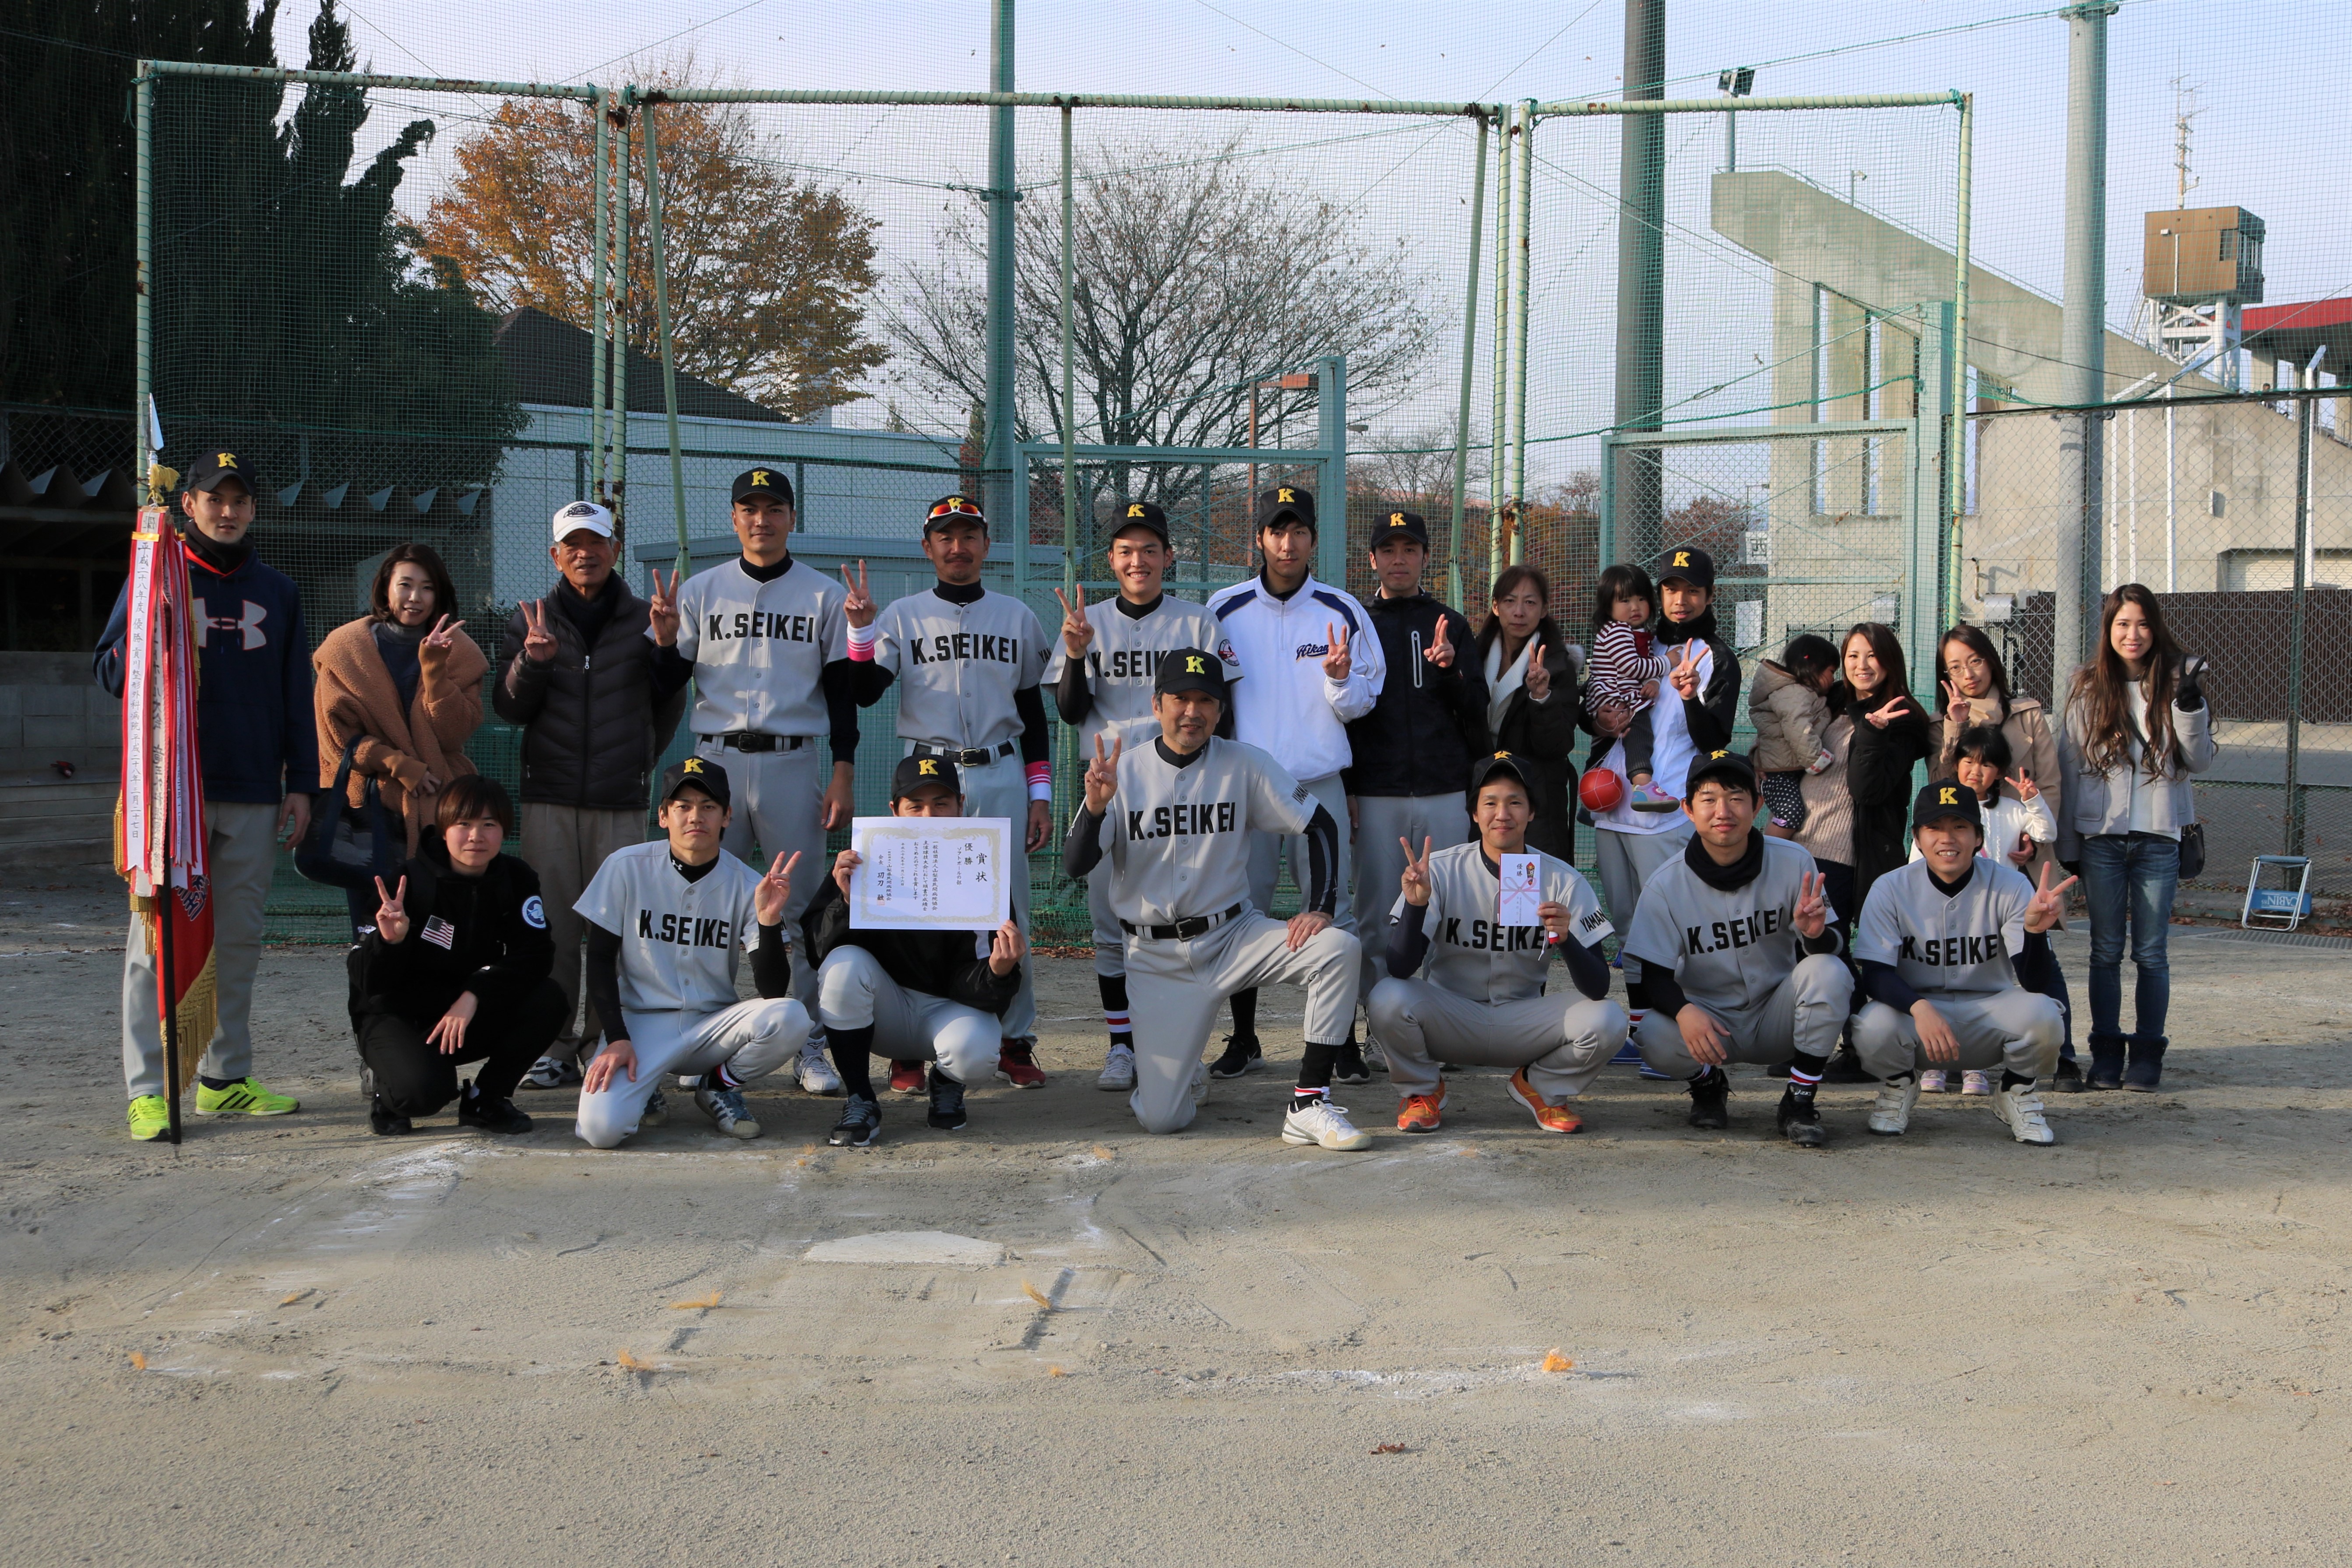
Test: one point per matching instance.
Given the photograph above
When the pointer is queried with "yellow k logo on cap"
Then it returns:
(225, 459)
(1947, 795)
(1500, 756)
(760, 480)
(1285, 495)
(1396, 520)
(928, 768)
(1195, 665)
(1682, 557)
(693, 764)
(1135, 508)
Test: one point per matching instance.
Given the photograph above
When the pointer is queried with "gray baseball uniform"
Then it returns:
(1119, 665)
(1177, 837)
(1957, 950)
(854, 992)
(759, 651)
(681, 943)
(958, 666)
(1736, 953)
(1480, 998)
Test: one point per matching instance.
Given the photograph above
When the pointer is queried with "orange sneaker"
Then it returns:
(1550, 1117)
(1420, 1112)
(905, 1077)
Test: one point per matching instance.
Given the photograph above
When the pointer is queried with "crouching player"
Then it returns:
(668, 924)
(1174, 815)
(1953, 948)
(1483, 1001)
(912, 995)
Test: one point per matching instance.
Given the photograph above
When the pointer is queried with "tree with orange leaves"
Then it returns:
(767, 274)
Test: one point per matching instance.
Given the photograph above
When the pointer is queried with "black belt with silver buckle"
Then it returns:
(737, 741)
(976, 757)
(1183, 929)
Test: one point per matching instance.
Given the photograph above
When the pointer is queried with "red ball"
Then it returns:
(1601, 790)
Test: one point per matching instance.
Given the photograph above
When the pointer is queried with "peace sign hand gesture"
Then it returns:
(1102, 776)
(2048, 902)
(1812, 914)
(1684, 672)
(1336, 663)
(1886, 714)
(2023, 785)
(774, 893)
(1537, 681)
(1415, 883)
(392, 912)
(538, 640)
(1956, 707)
(1440, 652)
(1077, 631)
(661, 609)
(859, 607)
(444, 635)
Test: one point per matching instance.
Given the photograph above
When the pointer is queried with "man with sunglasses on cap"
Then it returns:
(668, 923)
(1175, 814)
(767, 640)
(911, 996)
(1953, 949)
(1101, 675)
(258, 753)
(966, 662)
(1314, 669)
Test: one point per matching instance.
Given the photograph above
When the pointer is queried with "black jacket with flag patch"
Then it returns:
(486, 934)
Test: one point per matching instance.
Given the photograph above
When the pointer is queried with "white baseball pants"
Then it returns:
(2014, 1030)
(753, 1039)
(853, 992)
(780, 806)
(1561, 1039)
(1382, 820)
(1000, 788)
(1804, 1015)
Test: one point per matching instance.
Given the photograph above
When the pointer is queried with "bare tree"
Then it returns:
(1417, 470)
(1195, 277)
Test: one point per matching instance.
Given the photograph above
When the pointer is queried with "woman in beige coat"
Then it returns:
(402, 687)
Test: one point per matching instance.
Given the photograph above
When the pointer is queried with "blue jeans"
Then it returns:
(2129, 878)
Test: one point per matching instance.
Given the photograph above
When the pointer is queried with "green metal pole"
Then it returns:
(661, 325)
(2297, 618)
(1069, 375)
(1956, 405)
(1469, 370)
(599, 335)
(1502, 370)
(621, 345)
(998, 457)
(143, 388)
(1521, 225)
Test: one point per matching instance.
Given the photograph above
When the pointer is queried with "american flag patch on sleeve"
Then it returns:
(439, 932)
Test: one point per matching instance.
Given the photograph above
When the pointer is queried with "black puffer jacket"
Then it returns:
(1418, 738)
(594, 719)
(1542, 736)
(487, 934)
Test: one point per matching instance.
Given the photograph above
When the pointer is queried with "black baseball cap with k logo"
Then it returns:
(1285, 503)
(1139, 514)
(921, 772)
(1189, 670)
(1688, 563)
(707, 776)
(1946, 797)
(214, 468)
(1401, 525)
(765, 482)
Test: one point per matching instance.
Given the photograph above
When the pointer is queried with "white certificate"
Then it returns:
(1522, 890)
(924, 873)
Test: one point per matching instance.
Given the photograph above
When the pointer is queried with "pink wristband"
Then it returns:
(861, 647)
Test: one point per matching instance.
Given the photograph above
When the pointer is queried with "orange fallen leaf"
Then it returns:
(1555, 1362)
(1102, 1153)
(1391, 1449)
(1035, 1295)
(632, 1362)
(138, 1361)
(1056, 1371)
(297, 1296)
(698, 1303)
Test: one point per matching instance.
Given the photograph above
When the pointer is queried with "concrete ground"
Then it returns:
(292, 1342)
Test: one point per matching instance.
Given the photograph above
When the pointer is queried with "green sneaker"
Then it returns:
(243, 1097)
(149, 1118)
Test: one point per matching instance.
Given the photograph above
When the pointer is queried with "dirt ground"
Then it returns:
(1942, 1348)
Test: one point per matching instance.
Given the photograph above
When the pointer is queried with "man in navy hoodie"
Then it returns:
(258, 745)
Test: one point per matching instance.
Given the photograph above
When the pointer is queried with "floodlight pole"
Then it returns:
(599, 333)
(999, 456)
(143, 391)
(2081, 339)
(1069, 375)
(1469, 370)
(1522, 221)
(619, 471)
(1640, 283)
(1496, 472)
(669, 341)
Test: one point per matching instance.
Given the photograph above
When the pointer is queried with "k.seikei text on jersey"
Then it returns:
(743, 625)
(1184, 819)
(1955, 952)
(946, 647)
(1486, 936)
(685, 931)
(1749, 931)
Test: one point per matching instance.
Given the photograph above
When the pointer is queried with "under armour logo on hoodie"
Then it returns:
(249, 624)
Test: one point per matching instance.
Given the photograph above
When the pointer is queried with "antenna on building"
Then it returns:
(2184, 110)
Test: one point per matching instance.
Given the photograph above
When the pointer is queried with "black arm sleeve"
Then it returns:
(1587, 969)
(868, 679)
(838, 681)
(1882, 982)
(1082, 846)
(1407, 942)
(771, 962)
(605, 980)
(1708, 718)
(2035, 964)
(1036, 739)
(1225, 718)
(1828, 941)
(1665, 991)
(1322, 862)
(671, 671)
(1072, 698)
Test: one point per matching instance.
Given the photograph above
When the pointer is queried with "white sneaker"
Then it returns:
(1891, 1117)
(814, 1069)
(1323, 1123)
(548, 1072)
(1932, 1081)
(727, 1112)
(1975, 1082)
(1118, 1071)
(2022, 1108)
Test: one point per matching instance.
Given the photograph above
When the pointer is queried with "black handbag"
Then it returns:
(2192, 851)
(341, 852)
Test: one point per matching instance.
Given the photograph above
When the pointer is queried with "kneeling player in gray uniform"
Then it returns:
(1739, 957)
(912, 995)
(1175, 816)
(667, 923)
(1484, 1001)
(1952, 949)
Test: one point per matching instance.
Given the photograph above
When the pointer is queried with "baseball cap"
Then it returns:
(1946, 797)
(1727, 767)
(214, 466)
(763, 481)
(1284, 503)
(581, 514)
(1189, 670)
(919, 772)
(955, 508)
(1141, 514)
(1402, 525)
(1690, 563)
(708, 777)
(1501, 762)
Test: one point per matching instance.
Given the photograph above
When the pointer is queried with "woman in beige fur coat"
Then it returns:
(406, 682)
